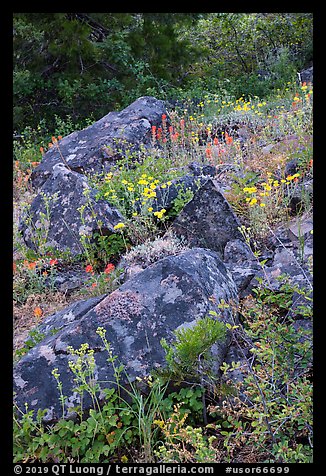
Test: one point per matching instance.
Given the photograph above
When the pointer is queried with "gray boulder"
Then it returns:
(72, 313)
(172, 293)
(207, 220)
(242, 264)
(306, 75)
(63, 211)
(91, 149)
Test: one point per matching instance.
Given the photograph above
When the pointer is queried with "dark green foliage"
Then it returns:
(191, 350)
(79, 64)
(87, 64)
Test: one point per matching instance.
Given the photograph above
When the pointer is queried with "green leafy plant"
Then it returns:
(190, 351)
(184, 196)
(39, 228)
(183, 443)
(273, 409)
(33, 277)
(35, 336)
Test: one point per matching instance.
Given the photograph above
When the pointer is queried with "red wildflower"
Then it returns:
(109, 268)
(154, 133)
(215, 141)
(94, 285)
(208, 152)
(89, 269)
(163, 117)
(228, 139)
(38, 312)
(59, 137)
(31, 265)
(53, 262)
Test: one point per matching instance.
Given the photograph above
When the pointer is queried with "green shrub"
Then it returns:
(189, 354)
(273, 409)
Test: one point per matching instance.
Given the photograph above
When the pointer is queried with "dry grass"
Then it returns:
(25, 318)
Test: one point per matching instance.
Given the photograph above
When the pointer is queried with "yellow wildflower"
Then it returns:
(142, 182)
(160, 213)
(250, 189)
(119, 225)
(159, 423)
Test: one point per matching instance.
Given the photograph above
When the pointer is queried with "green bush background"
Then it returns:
(83, 65)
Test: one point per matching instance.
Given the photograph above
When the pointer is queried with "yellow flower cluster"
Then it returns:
(250, 189)
(119, 226)
(140, 191)
(265, 188)
(289, 178)
(159, 214)
(145, 186)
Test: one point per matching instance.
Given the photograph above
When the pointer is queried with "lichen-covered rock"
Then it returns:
(75, 311)
(242, 264)
(63, 211)
(174, 292)
(307, 75)
(207, 220)
(89, 150)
